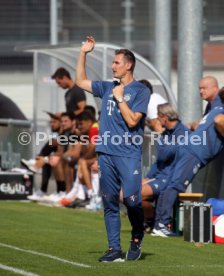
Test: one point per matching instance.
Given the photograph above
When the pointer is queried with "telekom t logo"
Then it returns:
(110, 106)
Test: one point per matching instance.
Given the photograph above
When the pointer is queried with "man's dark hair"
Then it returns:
(91, 109)
(221, 94)
(147, 84)
(54, 116)
(70, 115)
(129, 56)
(86, 115)
(60, 73)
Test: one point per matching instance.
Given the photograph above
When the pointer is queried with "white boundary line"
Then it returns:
(45, 255)
(16, 270)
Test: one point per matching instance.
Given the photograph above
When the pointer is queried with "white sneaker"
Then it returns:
(30, 165)
(53, 198)
(164, 231)
(154, 233)
(58, 197)
(36, 196)
(72, 194)
(158, 233)
(95, 204)
(47, 198)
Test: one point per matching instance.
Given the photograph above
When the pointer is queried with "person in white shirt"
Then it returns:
(152, 117)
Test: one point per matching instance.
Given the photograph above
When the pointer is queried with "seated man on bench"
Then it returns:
(202, 146)
(155, 180)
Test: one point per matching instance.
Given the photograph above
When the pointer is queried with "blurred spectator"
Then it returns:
(209, 90)
(75, 98)
(9, 110)
(152, 119)
(42, 160)
(68, 150)
(88, 128)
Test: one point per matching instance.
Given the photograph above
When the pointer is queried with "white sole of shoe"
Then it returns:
(154, 234)
(115, 261)
(119, 260)
(159, 233)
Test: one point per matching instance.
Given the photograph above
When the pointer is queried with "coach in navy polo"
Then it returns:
(124, 107)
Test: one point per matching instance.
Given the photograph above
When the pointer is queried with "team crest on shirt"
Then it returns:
(127, 97)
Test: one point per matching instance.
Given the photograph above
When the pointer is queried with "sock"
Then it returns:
(60, 186)
(90, 193)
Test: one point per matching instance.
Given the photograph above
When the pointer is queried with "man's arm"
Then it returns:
(81, 77)
(74, 151)
(219, 123)
(155, 125)
(91, 151)
(80, 107)
(130, 117)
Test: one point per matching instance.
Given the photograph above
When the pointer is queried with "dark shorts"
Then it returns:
(120, 172)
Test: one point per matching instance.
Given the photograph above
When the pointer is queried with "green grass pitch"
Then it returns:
(40, 240)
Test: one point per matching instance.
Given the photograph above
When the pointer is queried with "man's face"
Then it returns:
(163, 119)
(66, 123)
(120, 66)
(62, 82)
(55, 124)
(208, 90)
(84, 126)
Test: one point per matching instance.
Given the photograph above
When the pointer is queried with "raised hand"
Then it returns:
(88, 45)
